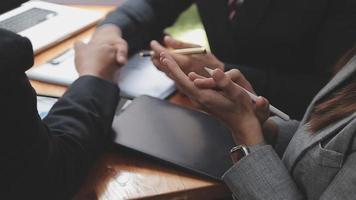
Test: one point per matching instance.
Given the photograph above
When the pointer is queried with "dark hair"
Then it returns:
(338, 105)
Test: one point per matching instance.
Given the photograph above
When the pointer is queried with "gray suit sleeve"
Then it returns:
(343, 185)
(144, 20)
(286, 130)
(261, 175)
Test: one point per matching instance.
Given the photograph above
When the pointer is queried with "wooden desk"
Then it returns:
(121, 174)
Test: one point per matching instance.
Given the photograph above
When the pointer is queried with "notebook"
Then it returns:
(46, 24)
(138, 77)
(185, 138)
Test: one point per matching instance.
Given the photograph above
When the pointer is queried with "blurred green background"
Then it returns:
(189, 28)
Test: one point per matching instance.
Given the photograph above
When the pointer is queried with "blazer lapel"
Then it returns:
(303, 139)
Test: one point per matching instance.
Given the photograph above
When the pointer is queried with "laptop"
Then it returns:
(47, 24)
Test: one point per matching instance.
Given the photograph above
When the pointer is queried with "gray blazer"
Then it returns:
(314, 166)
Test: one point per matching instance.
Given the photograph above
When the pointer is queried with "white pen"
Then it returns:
(187, 51)
(273, 109)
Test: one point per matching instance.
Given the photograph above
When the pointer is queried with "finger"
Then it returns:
(262, 104)
(110, 50)
(193, 76)
(177, 74)
(122, 51)
(228, 87)
(176, 44)
(207, 83)
(159, 65)
(157, 47)
(183, 60)
(172, 66)
(237, 77)
(201, 81)
(262, 108)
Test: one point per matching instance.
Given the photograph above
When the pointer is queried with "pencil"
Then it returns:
(273, 109)
(187, 51)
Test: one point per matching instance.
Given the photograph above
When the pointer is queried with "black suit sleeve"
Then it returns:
(77, 129)
(144, 20)
(48, 159)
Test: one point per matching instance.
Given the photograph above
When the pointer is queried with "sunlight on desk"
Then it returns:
(122, 174)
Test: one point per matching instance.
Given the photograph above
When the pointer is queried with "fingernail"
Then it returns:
(164, 61)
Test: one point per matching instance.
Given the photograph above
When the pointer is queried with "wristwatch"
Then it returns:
(238, 152)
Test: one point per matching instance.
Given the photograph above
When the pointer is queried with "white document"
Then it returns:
(138, 77)
(44, 105)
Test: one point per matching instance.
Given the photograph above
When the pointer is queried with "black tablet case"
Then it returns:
(183, 137)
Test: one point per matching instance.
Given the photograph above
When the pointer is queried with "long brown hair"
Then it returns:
(338, 105)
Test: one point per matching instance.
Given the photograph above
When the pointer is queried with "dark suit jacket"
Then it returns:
(6, 5)
(288, 45)
(48, 159)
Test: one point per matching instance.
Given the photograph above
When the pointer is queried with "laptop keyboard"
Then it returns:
(26, 19)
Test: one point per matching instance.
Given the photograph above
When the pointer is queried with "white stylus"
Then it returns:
(186, 51)
(273, 109)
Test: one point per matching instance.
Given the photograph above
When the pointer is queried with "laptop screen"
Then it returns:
(6, 5)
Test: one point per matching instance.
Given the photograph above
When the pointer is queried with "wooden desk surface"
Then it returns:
(121, 174)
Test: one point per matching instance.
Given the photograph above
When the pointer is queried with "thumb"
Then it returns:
(79, 45)
(157, 47)
(176, 44)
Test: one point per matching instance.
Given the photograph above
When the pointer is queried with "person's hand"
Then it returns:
(236, 78)
(96, 60)
(261, 107)
(111, 34)
(209, 83)
(188, 63)
(231, 104)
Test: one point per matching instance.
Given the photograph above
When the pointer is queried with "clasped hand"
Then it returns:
(103, 55)
(221, 96)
